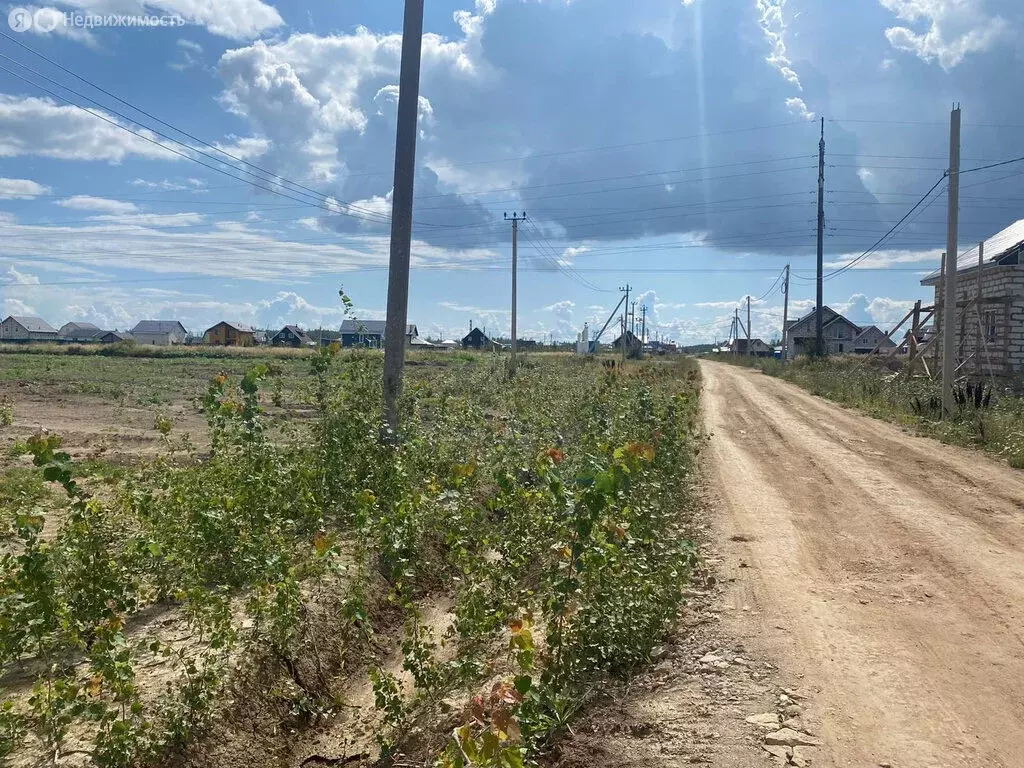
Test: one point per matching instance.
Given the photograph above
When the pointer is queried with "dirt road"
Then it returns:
(883, 571)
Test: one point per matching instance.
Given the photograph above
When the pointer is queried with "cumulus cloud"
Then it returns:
(235, 19)
(90, 203)
(40, 126)
(954, 29)
(774, 26)
(21, 189)
(798, 107)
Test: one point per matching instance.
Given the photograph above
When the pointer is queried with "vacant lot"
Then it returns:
(291, 586)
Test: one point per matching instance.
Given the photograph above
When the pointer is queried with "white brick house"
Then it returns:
(989, 333)
(839, 334)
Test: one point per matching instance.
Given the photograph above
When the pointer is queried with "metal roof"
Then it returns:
(72, 327)
(33, 324)
(158, 326)
(366, 327)
(373, 327)
(240, 327)
(996, 247)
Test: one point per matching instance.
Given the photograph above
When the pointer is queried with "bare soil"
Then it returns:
(884, 571)
(871, 583)
(94, 427)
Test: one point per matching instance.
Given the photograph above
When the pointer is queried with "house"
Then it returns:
(370, 333)
(160, 333)
(839, 333)
(477, 339)
(757, 348)
(78, 332)
(325, 338)
(225, 334)
(291, 336)
(630, 339)
(872, 338)
(990, 323)
(24, 328)
(112, 337)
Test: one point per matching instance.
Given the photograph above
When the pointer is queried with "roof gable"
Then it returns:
(364, 327)
(158, 327)
(1002, 248)
(827, 313)
(33, 324)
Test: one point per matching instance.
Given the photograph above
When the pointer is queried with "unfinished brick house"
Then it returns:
(989, 332)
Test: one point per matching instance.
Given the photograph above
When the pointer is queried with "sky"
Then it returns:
(233, 159)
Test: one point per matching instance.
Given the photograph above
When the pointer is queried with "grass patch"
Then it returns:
(880, 388)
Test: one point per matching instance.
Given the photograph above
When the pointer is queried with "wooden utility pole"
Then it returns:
(785, 316)
(515, 219)
(748, 325)
(401, 209)
(952, 249)
(819, 321)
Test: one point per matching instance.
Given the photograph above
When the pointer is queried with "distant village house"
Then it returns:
(291, 336)
(370, 333)
(159, 333)
(840, 334)
(24, 328)
(757, 348)
(477, 339)
(225, 334)
(78, 332)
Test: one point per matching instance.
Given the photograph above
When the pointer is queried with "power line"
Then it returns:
(883, 238)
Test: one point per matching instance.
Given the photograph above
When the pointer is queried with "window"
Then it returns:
(990, 325)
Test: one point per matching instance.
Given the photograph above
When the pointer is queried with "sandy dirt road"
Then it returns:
(884, 571)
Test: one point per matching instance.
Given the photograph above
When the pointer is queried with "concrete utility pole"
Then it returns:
(952, 249)
(819, 322)
(625, 313)
(785, 315)
(735, 333)
(643, 325)
(977, 306)
(748, 325)
(401, 213)
(515, 219)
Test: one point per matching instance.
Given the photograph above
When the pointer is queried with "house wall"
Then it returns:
(224, 335)
(1000, 342)
(12, 331)
(160, 339)
(153, 339)
(361, 339)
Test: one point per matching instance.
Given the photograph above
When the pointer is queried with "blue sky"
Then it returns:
(666, 144)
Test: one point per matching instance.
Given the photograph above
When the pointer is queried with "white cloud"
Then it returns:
(153, 219)
(21, 278)
(21, 189)
(39, 126)
(190, 56)
(774, 27)
(955, 28)
(90, 203)
(235, 19)
(165, 185)
(17, 307)
(798, 107)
